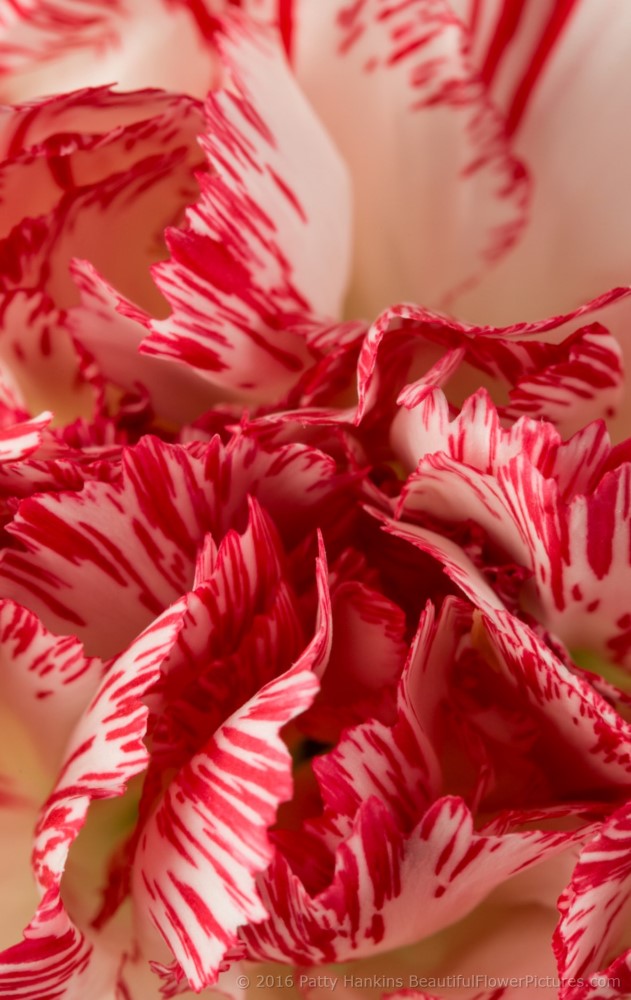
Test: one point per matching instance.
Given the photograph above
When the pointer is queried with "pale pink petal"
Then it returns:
(555, 75)
(37, 350)
(176, 392)
(72, 160)
(55, 145)
(46, 680)
(438, 193)
(265, 249)
(511, 44)
(54, 46)
(140, 177)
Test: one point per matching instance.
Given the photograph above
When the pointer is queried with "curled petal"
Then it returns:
(112, 331)
(371, 905)
(56, 959)
(595, 911)
(233, 785)
(265, 248)
(137, 538)
(22, 439)
(557, 364)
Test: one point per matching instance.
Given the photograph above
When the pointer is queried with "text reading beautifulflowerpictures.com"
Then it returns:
(474, 981)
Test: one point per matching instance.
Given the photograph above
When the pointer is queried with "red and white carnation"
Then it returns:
(315, 498)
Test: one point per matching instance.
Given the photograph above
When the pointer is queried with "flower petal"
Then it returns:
(56, 959)
(455, 562)
(22, 439)
(474, 437)
(45, 48)
(548, 74)
(265, 249)
(372, 903)
(47, 680)
(233, 785)
(103, 324)
(135, 544)
(595, 911)
(530, 360)
(137, 539)
(47, 370)
(140, 175)
(599, 740)
(577, 551)
(438, 193)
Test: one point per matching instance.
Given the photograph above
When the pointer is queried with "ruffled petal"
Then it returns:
(135, 544)
(372, 903)
(233, 785)
(73, 160)
(139, 173)
(108, 327)
(576, 549)
(56, 959)
(265, 250)
(595, 910)
(474, 437)
(549, 368)
(22, 439)
(567, 706)
(137, 539)
(381, 816)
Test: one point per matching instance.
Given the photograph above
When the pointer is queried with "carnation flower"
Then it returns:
(314, 492)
